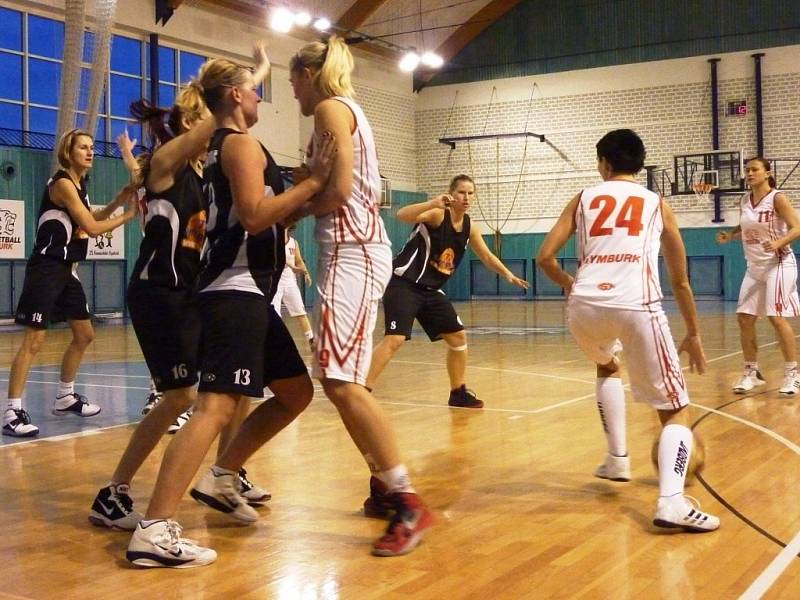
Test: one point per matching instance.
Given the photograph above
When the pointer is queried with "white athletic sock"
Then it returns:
(751, 366)
(65, 388)
(674, 452)
(789, 367)
(14, 404)
(397, 479)
(611, 404)
(373, 468)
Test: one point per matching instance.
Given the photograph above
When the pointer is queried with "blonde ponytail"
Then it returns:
(330, 63)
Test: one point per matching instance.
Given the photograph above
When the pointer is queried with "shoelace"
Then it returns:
(23, 416)
(174, 531)
(247, 485)
(124, 501)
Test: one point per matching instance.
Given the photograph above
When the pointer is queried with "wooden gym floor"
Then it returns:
(519, 513)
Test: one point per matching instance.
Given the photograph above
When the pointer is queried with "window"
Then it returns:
(190, 64)
(126, 55)
(10, 116)
(44, 81)
(43, 120)
(11, 80)
(45, 37)
(10, 29)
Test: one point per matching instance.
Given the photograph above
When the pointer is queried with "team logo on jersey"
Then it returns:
(208, 377)
(195, 231)
(446, 262)
(605, 286)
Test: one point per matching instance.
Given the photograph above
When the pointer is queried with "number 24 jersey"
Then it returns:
(618, 230)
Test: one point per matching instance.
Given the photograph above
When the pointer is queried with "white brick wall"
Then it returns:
(666, 102)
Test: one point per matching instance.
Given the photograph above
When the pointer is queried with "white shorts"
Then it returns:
(770, 290)
(650, 356)
(351, 279)
(289, 295)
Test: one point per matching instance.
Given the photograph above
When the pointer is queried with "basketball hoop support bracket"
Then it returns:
(452, 141)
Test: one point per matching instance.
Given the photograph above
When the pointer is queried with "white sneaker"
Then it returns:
(250, 491)
(182, 419)
(17, 423)
(160, 545)
(683, 512)
(791, 384)
(221, 492)
(748, 381)
(75, 404)
(615, 468)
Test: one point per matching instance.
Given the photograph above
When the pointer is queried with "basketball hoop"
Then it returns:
(703, 190)
(703, 183)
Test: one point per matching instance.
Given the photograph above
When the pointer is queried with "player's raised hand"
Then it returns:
(441, 201)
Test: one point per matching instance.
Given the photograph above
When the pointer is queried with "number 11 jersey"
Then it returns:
(618, 229)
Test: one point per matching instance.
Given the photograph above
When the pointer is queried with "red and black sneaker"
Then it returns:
(379, 505)
(411, 520)
(464, 398)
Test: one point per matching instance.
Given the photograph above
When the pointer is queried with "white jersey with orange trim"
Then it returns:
(288, 276)
(359, 221)
(619, 225)
(761, 223)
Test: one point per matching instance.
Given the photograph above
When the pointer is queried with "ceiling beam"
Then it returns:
(358, 13)
(465, 34)
(243, 9)
(173, 4)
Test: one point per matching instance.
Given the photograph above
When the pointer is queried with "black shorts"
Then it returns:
(245, 345)
(167, 325)
(405, 301)
(51, 293)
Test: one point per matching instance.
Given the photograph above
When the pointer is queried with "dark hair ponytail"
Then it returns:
(162, 124)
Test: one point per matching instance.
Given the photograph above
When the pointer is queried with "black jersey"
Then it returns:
(235, 260)
(174, 232)
(432, 254)
(57, 234)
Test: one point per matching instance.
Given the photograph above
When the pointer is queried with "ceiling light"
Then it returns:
(281, 19)
(432, 60)
(302, 19)
(409, 62)
(322, 24)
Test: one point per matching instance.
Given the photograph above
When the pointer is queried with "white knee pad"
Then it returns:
(458, 348)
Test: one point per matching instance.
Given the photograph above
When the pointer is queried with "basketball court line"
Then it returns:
(757, 589)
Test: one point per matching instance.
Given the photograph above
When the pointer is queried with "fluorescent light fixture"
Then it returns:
(322, 24)
(432, 60)
(281, 19)
(409, 62)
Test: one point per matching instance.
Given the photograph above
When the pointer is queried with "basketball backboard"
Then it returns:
(722, 168)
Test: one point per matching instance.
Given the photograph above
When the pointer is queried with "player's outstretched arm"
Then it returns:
(493, 263)
(554, 241)
(675, 260)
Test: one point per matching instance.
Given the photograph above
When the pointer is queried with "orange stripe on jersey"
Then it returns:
(671, 374)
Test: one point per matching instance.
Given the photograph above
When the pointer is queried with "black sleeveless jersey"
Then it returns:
(174, 232)
(57, 234)
(233, 259)
(432, 254)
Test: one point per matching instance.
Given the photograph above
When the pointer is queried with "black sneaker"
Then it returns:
(113, 508)
(152, 399)
(464, 398)
(79, 406)
(17, 423)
